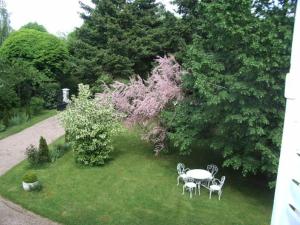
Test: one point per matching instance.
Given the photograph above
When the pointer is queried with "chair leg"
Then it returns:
(210, 194)
(183, 190)
(191, 191)
(220, 193)
(178, 180)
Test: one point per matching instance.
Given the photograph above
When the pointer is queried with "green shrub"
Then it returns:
(18, 118)
(6, 118)
(58, 151)
(90, 127)
(36, 105)
(50, 91)
(38, 156)
(32, 154)
(30, 177)
(43, 153)
(104, 79)
(2, 127)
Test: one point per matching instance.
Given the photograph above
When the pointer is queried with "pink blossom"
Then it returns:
(143, 100)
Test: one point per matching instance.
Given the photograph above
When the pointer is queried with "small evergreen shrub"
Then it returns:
(38, 156)
(30, 177)
(43, 154)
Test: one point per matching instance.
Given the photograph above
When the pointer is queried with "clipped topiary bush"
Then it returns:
(31, 182)
(30, 177)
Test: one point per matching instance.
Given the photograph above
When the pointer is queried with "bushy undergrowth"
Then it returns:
(58, 151)
(18, 119)
(36, 105)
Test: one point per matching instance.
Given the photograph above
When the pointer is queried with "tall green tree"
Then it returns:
(19, 81)
(121, 38)
(236, 67)
(47, 53)
(4, 22)
(35, 26)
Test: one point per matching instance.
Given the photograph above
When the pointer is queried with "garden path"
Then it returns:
(12, 152)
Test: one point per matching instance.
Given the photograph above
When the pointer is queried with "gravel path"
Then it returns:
(12, 214)
(12, 148)
(12, 151)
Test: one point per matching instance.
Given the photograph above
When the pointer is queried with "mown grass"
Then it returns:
(35, 119)
(136, 187)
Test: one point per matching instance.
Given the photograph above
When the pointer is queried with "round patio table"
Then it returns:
(199, 174)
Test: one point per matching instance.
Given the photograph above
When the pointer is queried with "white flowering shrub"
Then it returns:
(90, 127)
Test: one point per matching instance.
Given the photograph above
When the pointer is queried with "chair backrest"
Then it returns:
(222, 181)
(180, 168)
(213, 169)
(188, 179)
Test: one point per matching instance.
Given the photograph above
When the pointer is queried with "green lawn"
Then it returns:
(136, 188)
(35, 119)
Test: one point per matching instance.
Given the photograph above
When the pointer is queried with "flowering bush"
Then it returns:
(143, 100)
(90, 127)
(32, 154)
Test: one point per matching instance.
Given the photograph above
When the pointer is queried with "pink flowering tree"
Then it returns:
(143, 100)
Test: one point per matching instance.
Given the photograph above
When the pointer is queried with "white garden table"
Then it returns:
(199, 175)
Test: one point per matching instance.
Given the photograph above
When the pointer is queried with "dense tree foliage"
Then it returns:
(234, 97)
(42, 50)
(19, 82)
(35, 26)
(4, 22)
(121, 38)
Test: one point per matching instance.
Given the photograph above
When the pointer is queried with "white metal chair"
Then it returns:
(213, 169)
(216, 186)
(181, 170)
(189, 185)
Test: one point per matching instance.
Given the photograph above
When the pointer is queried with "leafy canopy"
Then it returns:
(234, 97)
(42, 50)
(35, 26)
